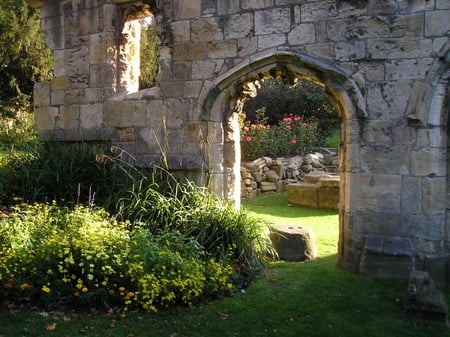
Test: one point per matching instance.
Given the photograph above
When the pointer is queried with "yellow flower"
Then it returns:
(79, 285)
(45, 289)
(84, 289)
(90, 277)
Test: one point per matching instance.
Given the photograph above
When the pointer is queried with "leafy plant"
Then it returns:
(193, 211)
(292, 135)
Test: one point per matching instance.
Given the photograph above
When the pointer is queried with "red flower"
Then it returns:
(297, 118)
(248, 139)
(293, 141)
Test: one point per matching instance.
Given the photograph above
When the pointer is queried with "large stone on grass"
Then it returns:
(293, 243)
(424, 303)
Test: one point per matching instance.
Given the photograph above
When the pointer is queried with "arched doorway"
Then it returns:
(224, 102)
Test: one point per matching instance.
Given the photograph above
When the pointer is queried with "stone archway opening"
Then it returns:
(225, 100)
(284, 127)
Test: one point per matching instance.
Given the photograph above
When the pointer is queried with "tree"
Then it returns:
(24, 56)
(306, 98)
(149, 54)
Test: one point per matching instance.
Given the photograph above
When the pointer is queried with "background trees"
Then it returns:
(24, 56)
(306, 98)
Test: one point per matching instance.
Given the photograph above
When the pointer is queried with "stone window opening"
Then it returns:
(138, 62)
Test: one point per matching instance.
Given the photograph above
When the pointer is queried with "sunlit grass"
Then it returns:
(275, 209)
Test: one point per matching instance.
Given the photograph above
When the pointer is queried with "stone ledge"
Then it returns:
(320, 190)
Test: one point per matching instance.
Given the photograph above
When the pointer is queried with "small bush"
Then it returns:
(224, 233)
(291, 136)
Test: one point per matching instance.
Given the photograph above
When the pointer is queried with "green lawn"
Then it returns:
(313, 299)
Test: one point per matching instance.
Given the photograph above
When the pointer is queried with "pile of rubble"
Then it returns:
(265, 174)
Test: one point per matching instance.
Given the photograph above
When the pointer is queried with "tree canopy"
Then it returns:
(24, 56)
(305, 98)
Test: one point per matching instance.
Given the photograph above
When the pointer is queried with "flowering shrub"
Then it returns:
(51, 255)
(293, 135)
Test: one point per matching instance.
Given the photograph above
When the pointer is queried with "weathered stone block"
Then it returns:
(188, 9)
(437, 23)
(222, 49)
(303, 194)
(41, 94)
(44, 117)
(125, 113)
(271, 21)
(424, 303)
(206, 29)
(302, 34)
(238, 26)
(293, 243)
(91, 115)
(385, 256)
(375, 192)
(399, 48)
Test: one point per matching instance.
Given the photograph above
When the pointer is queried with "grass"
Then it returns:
(334, 139)
(312, 299)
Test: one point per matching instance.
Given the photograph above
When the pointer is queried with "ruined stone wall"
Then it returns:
(385, 63)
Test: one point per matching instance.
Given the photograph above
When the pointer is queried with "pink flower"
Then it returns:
(297, 118)
(293, 141)
(287, 119)
(288, 127)
(248, 139)
(245, 129)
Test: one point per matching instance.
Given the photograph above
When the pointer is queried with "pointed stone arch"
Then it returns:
(222, 101)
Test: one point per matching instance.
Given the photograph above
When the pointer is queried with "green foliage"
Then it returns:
(17, 133)
(149, 55)
(52, 256)
(291, 136)
(24, 56)
(224, 233)
(306, 98)
(67, 173)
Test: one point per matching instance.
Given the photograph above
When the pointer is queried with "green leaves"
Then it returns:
(24, 56)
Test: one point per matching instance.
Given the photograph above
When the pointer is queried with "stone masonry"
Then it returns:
(385, 64)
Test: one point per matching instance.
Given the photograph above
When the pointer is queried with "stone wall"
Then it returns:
(384, 63)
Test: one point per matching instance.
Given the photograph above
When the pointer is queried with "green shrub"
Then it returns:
(305, 98)
(52, 256)
(18, 132)
(291, 136)
(68, 173)
(224, 233)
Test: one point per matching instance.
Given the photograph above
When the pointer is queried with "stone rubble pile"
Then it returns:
(266, 174)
